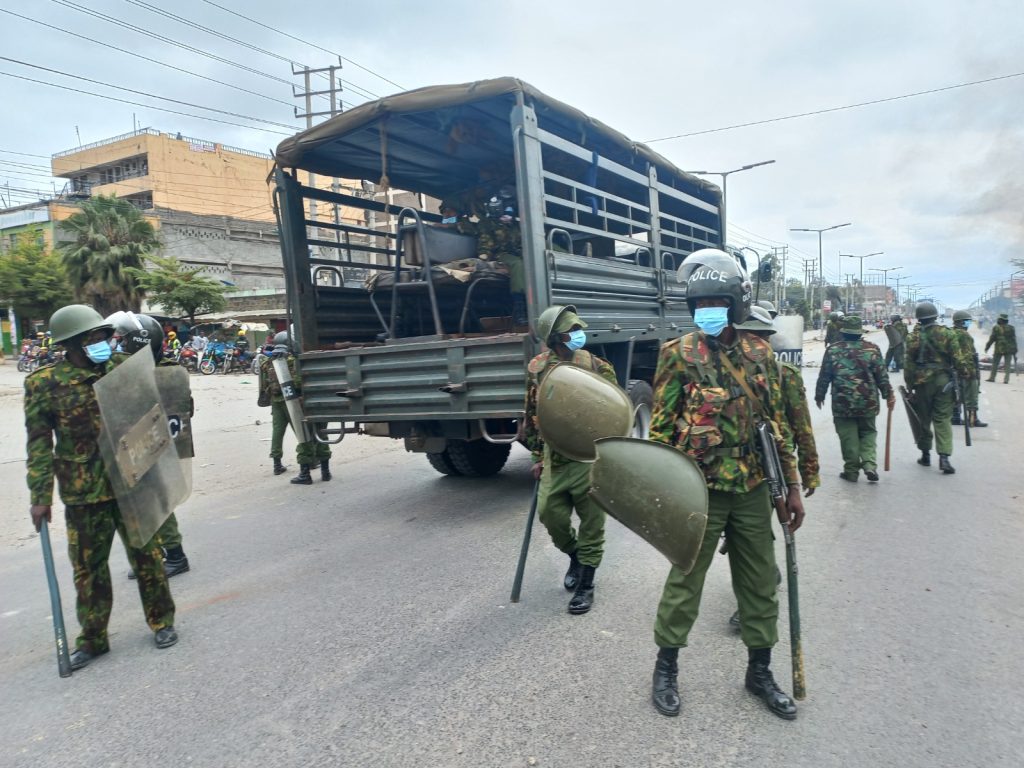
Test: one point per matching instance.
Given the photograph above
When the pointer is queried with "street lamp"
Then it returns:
(866, 255)
(725, 176)
(885, 280)
(900, 278)
(821, 273)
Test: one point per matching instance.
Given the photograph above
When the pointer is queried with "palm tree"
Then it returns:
(111, 238)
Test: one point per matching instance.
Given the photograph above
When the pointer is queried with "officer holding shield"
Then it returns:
(60, 402)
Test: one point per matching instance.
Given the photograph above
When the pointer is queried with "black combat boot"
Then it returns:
(665, 686)
(975, 421)
(303, 477)
(761, 683)
(871, 475)
(945, 466)
(80, 657)
(279, 468)
(572, 576)
(325, 470)
(926, 459)
(583, 599)
(175, 561)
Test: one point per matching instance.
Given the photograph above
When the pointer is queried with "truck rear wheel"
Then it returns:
(477, 458)
(442, 462)
(642, 397)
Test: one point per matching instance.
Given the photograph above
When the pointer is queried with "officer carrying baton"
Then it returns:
(60, 636)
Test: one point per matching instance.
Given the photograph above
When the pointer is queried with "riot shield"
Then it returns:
(137, 449)
(788, 339)
(656, 491)
(575, 407)
(176, 395)
(892, 335)
(291, 398)
(916, 427)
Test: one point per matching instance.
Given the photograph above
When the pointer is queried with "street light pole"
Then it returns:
(866, 255)
(885, 279)
(725, 178)
(899, 278)
(821, 273)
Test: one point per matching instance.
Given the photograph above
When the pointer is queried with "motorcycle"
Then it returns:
(237, 360)
(214, 358)
(188, 358)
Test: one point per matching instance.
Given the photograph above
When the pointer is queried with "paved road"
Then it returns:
(365, 622)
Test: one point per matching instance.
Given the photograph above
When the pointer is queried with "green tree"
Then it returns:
(111, 241)
(180, 290)
(32, 279)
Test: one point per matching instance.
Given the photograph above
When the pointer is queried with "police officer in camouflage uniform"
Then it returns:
(933, 354)
(306, 453)
(832, 334)
(60, 401)
(972, 385)
(1004, 338)
(564, 483)
(855, 370)
(897, 349)
(701, 407)
(135, 332)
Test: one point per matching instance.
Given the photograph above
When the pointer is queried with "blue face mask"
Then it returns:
(967, 324)
(576, 340)
(99, 352)
(449, 219)
(711, 320)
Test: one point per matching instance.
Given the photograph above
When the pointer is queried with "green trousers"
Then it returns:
(972, 388)
(563, 488)
(858, 443)
(91, 530)
(895, 353)
(168, 536)
(746, 519)
(307, 453)
(934, 409)
(996, 358)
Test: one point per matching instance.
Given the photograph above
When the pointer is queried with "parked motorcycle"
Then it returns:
(240, 360)
(214, 358)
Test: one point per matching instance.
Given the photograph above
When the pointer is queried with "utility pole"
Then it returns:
(780, 252)
(821, 268)
(849, 290)
(307, 93)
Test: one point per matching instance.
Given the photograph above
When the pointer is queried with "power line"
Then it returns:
(140, 104)
(304, 42)
(143, 93)
(209, 31)
(146, 58)
(25, 154)
(838, 109)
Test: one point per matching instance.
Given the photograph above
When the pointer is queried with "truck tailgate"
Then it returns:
(453, 378)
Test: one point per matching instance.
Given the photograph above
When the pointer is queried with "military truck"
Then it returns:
(428, 349)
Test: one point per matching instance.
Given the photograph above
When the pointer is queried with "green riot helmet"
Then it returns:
(75, 320)
(768, 307)
(557, 318)
(759, 322)
(960, 317)
(925, 312)
(281, 344)
(709, 274)
(138, 331)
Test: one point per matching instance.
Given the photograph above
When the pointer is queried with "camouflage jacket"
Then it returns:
(269, 382)
(798, 416)
(966, 343)
(498, 240)
(1004, 337)
(536, 368)
(932, 350)
(856, 372)
(59, 400)
(703, 411)
(832, 334)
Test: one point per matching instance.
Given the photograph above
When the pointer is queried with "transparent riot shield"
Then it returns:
(788, 339)
(291, 398)
(137, 449)
(176, 395)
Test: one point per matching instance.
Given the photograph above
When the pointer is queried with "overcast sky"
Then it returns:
(936, 181)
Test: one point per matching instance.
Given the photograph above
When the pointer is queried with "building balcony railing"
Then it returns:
(104, 142)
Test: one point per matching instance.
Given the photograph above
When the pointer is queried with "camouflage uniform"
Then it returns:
(971, 384)
(897, 350)
(700, 409)
(59, 400)
(564, 483)
(1004, 338)
(306, 453)
(932, 353)
(504, 243)
(798, 416)
(856, 373)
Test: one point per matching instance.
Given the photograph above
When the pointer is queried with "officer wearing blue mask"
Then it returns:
(564, 483)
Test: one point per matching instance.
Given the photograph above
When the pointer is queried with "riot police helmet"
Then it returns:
(713, 274)
(76, 320)
(768, 307)
(138, 331)
(925, 312)
(557, 318)
(960, 317)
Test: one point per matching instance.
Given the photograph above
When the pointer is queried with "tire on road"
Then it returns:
(477, 458)
(642, 396)
(207, 367)
(442, 462)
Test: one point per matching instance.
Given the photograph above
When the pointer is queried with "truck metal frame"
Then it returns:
(605, 223)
